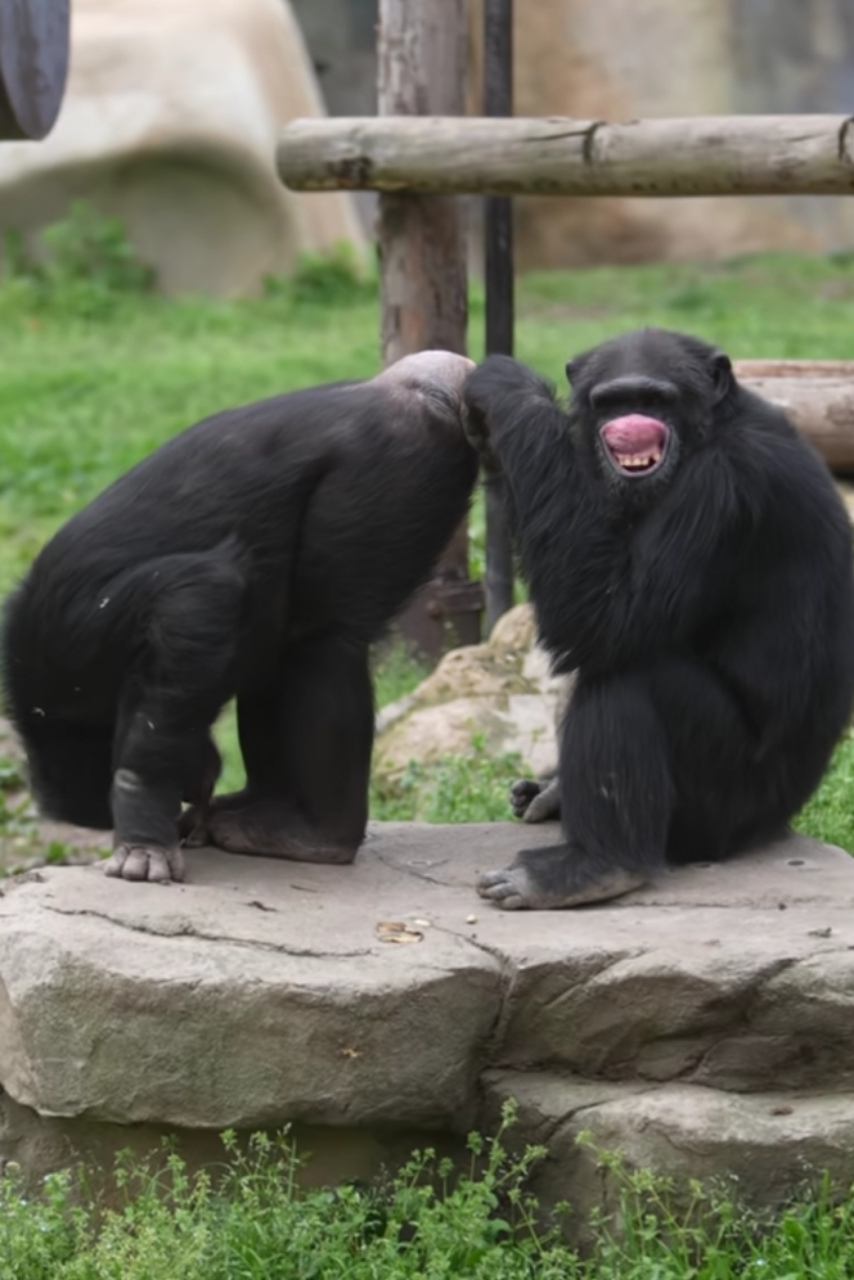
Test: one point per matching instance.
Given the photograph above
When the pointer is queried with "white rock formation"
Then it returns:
(170, 121)
(502, 689)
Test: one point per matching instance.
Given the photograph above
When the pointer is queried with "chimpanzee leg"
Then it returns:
(163, 750)
(307, 800)
(720, 783)
(615, 775)
(259, 732)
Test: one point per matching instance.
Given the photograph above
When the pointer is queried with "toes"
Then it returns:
(524, 794)
(114, 865)
(137, 862)
(165, 865)
(541, 808)
(194, 829)
(499, 887)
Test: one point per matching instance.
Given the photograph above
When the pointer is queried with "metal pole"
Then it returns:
(498, 237)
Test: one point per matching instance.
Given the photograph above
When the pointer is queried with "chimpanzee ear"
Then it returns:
(722, 375)
(574, 368)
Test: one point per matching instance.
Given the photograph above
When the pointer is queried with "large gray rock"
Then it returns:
(758, 1149)
(262, 991)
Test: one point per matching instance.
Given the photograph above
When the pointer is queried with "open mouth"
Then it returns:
(635, 445)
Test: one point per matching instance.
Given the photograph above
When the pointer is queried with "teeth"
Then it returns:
(638, 461)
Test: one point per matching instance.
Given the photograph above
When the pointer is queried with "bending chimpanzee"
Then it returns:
(257, 554)
(688, 554)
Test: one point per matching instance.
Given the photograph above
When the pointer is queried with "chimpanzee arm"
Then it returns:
(515, 422)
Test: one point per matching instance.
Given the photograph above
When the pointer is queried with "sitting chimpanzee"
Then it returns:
(688, 554)
(258, 554)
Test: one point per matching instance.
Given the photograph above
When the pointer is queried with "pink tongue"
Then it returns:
(634, 433)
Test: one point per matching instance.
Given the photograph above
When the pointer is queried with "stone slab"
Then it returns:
(262, 991)
(757, 1149)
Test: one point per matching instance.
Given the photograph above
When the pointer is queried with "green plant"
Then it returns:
(339, 277)
(471, 788)
(86, 248)
(829, 813)
(397, 669)
(428, 1221)
(86, 265)
(683, 1229)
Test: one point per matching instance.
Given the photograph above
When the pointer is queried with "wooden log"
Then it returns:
(693, 156)
(421, 54)
(817, 396)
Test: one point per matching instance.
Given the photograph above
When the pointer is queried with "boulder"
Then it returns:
(703, 1025)
(502, 690)
(758, 1150)
(170, 121)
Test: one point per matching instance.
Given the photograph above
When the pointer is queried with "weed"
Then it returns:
(470, 788)
(337, 278)
(433, 1220)
(86, 265)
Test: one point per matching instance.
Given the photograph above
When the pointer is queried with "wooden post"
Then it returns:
(498, 237)
(421, 50)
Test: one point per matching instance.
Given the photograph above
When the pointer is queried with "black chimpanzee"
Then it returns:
(257, 554)
(688, 554)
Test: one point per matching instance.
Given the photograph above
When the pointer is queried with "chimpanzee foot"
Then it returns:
(535, 800)
(146, 862)
(195, 821)
(547, 879)
(275, 831)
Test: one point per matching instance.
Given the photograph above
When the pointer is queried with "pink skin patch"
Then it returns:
(635, 444)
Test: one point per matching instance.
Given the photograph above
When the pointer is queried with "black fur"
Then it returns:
(258, 554)
(708, 608)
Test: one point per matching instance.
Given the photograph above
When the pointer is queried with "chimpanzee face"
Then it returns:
(643, 403)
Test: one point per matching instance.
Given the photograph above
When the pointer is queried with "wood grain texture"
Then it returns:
(700, 155)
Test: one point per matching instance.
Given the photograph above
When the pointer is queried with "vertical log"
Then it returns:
(421, 51)
(498, 238)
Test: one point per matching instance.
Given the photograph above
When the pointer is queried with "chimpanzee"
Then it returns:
(689, 557)
(257, 554)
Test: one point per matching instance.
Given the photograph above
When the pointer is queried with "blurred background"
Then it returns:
(173, 107)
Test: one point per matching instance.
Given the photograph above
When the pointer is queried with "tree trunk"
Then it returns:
(423, 284)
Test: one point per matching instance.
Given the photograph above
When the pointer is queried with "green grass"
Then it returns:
(86, 390)
(428, 1222)
(471, 788)
(95, 373)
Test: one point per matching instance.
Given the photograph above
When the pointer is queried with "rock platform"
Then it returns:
(702, 1025)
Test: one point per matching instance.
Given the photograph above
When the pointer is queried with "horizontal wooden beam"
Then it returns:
(693, 156)
(816, 395)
